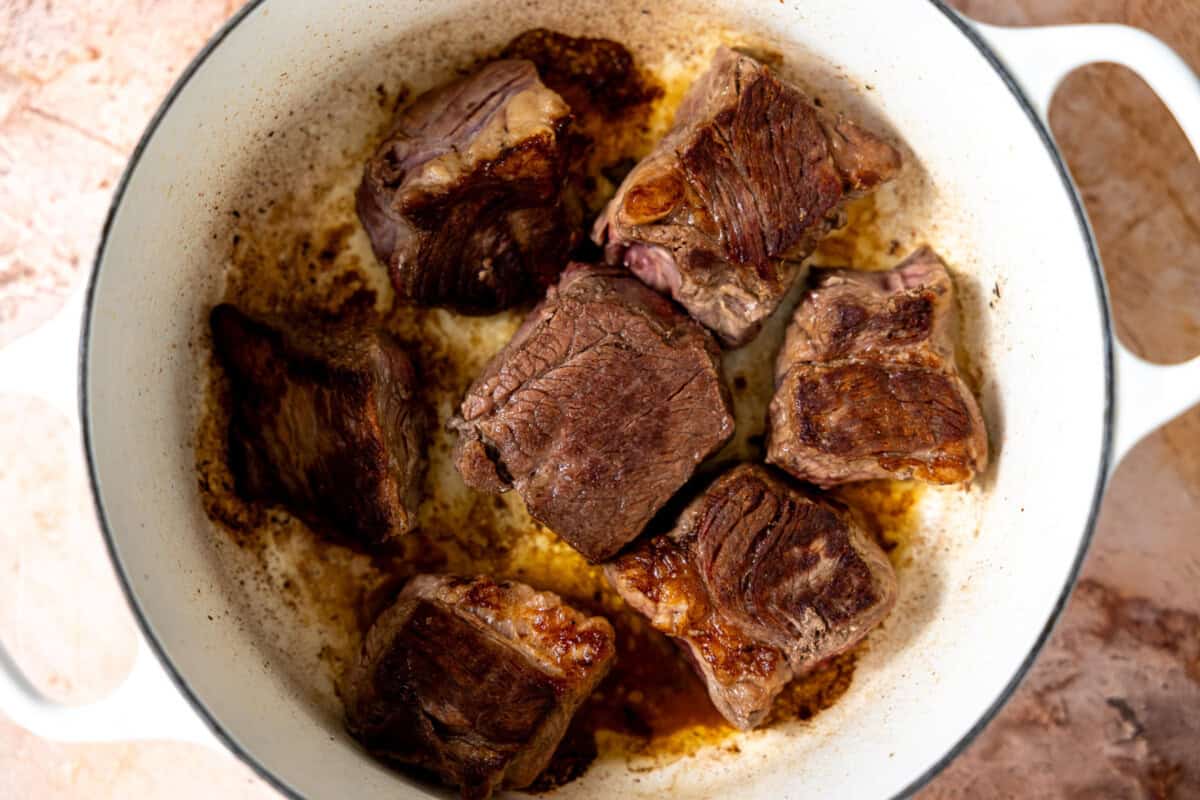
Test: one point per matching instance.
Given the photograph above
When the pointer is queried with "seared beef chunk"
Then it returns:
(759, 581)
(474, 680)
(324, 421)
(867, 385)
(463, 201)
(597, 411)
(748, 180)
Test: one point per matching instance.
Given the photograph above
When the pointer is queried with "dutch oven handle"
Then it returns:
(1147, 395)
(147, 705)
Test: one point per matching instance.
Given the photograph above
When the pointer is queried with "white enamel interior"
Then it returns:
(996, 558)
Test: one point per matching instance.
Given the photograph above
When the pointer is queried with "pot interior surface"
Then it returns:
(275, 123)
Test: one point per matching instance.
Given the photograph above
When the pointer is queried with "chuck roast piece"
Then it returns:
(597, 411)
(463, 200)
(474, 680)
(324, 421)
(866, 384)
(759, 581)
(741, 189)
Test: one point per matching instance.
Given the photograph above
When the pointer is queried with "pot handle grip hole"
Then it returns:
(146, 705)
(1147, 395)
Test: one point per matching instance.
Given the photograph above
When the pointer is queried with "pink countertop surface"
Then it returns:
(1112, 707)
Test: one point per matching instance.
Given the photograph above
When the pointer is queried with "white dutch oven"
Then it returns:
(1064, 399)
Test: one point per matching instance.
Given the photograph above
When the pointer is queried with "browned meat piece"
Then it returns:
(324, 421)
(474, 680)
(597, 411)
(760, 582)
(866, 381)
(741, 189)
(463, 200)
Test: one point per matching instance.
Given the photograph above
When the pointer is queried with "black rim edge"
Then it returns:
(248, 758)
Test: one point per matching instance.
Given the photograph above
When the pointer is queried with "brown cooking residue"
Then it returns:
(889, 509)
(296, 245)
(804, 698)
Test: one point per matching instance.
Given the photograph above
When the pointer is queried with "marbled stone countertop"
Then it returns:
(1112, 708)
